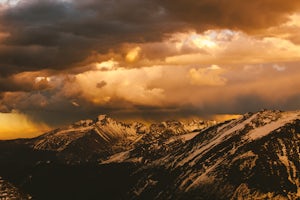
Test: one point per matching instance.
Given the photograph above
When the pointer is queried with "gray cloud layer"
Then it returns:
(56, 38)
(53, 34)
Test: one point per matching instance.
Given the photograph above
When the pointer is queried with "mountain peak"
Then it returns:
(253, 157)
(102, 117)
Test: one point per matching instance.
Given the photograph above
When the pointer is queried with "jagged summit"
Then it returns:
(253, 157)
(102, 117)
(108, 136)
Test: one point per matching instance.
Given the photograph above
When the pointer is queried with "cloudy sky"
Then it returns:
(147, 60)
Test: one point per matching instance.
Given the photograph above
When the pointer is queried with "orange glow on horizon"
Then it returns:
(225, 117)
(16, 125)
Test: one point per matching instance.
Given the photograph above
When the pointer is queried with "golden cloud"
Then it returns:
(210, 76)
(128, 84)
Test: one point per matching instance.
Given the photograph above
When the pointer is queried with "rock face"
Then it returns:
(90, 140)
(9, 192)
(254, 157)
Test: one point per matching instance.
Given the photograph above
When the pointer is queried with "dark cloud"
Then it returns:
(53, 34)
(12, 85)
(23, 82)
(232, 14)
(101, 84)
(242, 105)
(56, 35)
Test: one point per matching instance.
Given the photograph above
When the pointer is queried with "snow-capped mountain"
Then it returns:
(90, 139)
(100, 138)
(107, 129)
(254, 157)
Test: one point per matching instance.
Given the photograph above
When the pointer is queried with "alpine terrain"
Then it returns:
(256, 156)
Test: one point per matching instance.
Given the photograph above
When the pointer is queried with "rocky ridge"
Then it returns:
(256, 156)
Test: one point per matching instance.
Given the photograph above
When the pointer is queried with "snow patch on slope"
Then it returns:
(218, 139)
(268, 128)
(184, 138)
(117, 158)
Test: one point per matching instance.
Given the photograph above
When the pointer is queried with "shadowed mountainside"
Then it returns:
(253, 157)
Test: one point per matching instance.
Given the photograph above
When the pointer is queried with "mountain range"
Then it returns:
(256, 156)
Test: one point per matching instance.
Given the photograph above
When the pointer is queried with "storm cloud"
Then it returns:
(56, 34)
(65, 60)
